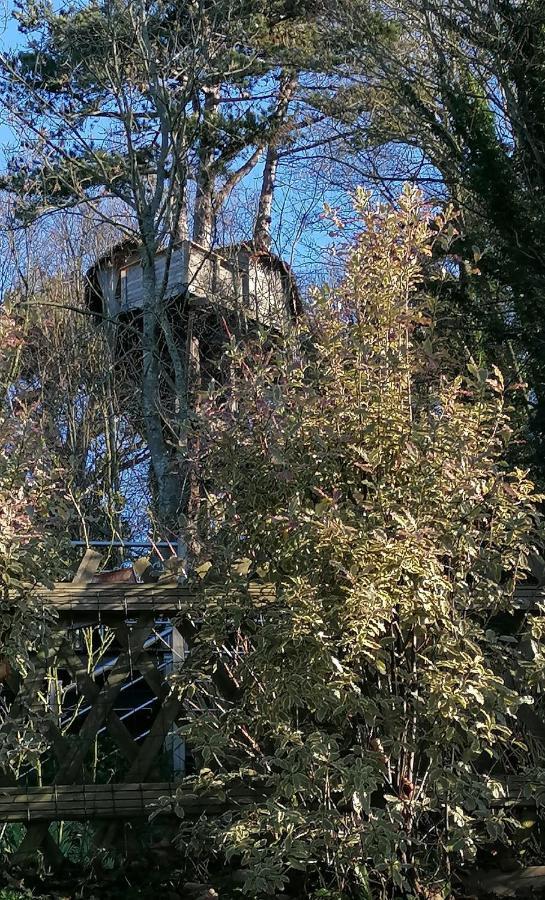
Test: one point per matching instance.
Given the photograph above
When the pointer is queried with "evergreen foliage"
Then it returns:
(464, 85)
(374, 697)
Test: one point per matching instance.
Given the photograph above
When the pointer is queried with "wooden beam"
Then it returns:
(88, 689)
(148, 754)
(79, 802)
(521, 883)
(127, 598)
(63, 802)
(169, 597)
(88, 567)
(528, 596)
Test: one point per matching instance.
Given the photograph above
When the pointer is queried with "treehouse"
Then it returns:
(237, 282)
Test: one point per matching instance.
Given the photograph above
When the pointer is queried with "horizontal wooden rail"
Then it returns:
(66, 801)
(171, 597)
(110, 801)
(116, 597)
(160, 598)
(126, 801)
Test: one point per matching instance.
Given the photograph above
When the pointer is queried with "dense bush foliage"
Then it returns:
(374, 694)
(31, 514)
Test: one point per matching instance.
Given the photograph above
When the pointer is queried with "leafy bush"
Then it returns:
(8, 894)
(31, 511)
(371, 695)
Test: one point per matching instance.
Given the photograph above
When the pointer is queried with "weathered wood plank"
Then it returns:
(88, 567)
(528, 882)
(116, 598)
(51, 849)
(112, 801)
(18, 792)
(87, 801)
(167, 597)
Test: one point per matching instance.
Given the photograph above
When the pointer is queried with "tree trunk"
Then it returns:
(182, 227)
(204, 219)
(163, 463)
(262, 227)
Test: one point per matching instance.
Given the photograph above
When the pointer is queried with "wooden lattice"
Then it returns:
(72, 792)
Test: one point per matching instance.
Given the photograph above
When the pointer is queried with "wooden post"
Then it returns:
(174, 744)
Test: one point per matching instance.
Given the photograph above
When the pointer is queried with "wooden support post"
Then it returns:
(174, 743)
(73, 766)
(88, 567)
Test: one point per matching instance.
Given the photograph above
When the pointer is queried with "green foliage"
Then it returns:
(466, 86)
(90, 77)
(371, 695)
(8, 894)
(111, 95)
(31, 516)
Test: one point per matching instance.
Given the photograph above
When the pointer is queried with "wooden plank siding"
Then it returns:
(233, 279)
(191, 268)
(179, 278)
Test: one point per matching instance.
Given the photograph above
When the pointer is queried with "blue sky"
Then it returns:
(9, 37)
(9, 29)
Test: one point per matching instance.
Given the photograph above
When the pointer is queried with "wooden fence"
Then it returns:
(68, 788)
